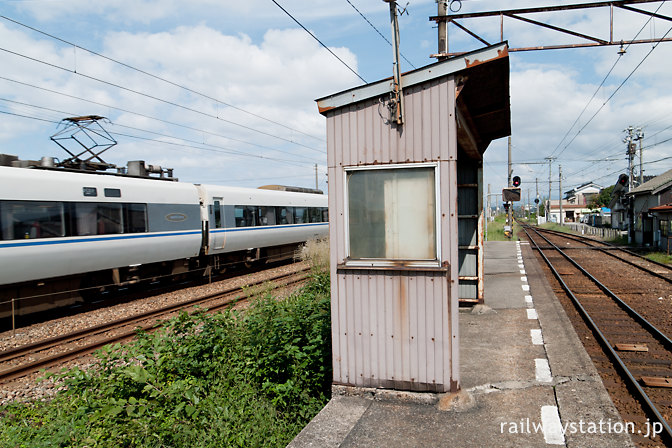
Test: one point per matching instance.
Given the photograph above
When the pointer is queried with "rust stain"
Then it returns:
(323, 110)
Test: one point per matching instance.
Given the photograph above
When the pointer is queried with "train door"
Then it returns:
(218, 236)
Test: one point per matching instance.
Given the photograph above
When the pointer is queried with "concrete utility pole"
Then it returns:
(560, 218)
(509, 171)
(536, 183)
(397, 90)
(640, 137)
(316, 176)
(548, 209)
(443, 27)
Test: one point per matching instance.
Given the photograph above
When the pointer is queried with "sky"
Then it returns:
(223, 92)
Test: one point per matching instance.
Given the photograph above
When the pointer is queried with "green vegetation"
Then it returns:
(233, 379)
(496, 229)
(660, 257)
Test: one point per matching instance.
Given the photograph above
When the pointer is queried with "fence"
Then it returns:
(603, 232)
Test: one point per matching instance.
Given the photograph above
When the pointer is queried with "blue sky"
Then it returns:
(248, 115)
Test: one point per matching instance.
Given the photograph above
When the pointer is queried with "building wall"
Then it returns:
(396, 327)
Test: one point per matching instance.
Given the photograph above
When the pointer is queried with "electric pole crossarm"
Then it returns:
(443, 20)
(469, 32)
(646, 13)
(542, 9)
(555, 28)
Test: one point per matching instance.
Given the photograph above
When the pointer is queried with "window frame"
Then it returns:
(393, 262)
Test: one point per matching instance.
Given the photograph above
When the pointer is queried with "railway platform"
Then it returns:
(526, 380)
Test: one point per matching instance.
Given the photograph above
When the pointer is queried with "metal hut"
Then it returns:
(405, 208)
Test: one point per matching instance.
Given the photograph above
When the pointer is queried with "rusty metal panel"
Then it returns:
(396, 328)
(362, 137)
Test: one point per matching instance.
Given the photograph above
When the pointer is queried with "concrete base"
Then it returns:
(512, 381)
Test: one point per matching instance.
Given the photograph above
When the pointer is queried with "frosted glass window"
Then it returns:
(392, 213)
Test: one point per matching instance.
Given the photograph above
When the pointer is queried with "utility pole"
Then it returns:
(397, 90)
(316, 176)
(536, 183)
(640, 137)
(443, 27)
(509, 171)
(632, 135)
(560, 218)
(548, 209)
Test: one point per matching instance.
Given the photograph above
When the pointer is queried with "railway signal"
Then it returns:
(516, 181)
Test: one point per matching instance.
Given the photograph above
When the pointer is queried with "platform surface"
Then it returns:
(526, 380)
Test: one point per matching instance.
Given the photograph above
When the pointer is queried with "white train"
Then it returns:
(62, 230)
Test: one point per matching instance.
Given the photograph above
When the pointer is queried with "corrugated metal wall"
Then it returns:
(396, 328)
(470, 228)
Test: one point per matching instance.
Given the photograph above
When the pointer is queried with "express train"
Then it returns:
(62, 230)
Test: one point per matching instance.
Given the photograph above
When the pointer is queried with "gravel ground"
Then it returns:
(30, 388)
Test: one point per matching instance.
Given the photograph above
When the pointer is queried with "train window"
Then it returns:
(300, 215)
(27, 219)
(135, 220)
(315, 214)
(266, 216)
(98, 219)
(284, 215)
(245, 215)
(112, 193)
(109, 219)
(325, 214)
(218, 214)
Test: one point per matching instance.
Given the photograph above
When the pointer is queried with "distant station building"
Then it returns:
(405, 207)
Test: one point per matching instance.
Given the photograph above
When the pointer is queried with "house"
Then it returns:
(651, 209)
(583, 194)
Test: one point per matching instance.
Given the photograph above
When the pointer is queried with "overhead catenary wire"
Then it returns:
(171, 103)
(161, 120)
(202, 146)
(319, 41)
(64, 113)
(615, 91)
(376, 30)
(144, 72)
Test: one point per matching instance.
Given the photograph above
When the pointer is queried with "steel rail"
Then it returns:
(27, 368)
(610, 247)
(604, 341)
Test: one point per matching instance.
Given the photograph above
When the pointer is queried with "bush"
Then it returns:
(251, 378)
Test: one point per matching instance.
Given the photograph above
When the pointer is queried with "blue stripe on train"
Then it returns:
(133, 236)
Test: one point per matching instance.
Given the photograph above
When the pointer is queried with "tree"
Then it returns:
(603, 199)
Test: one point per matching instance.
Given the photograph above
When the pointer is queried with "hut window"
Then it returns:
(392, 213)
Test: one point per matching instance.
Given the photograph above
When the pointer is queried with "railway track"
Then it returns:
(654, 268)
(48, 353)
(639, 349)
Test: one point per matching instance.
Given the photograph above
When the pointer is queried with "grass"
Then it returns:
(250, 378)
(660, 257)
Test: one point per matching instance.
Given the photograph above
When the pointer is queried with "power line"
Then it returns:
(204, 146)
(159, 78)
(203, 131)
(615, 91)
(172, 103)
(379, 33)
(319, 41)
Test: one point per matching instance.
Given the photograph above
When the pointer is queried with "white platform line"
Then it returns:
(521, 266)
(526, 287)
(532, 313)
(523, 279)
(528, 299)
(552, 427)
(542, 370)
(522, 271)
(537, 338)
